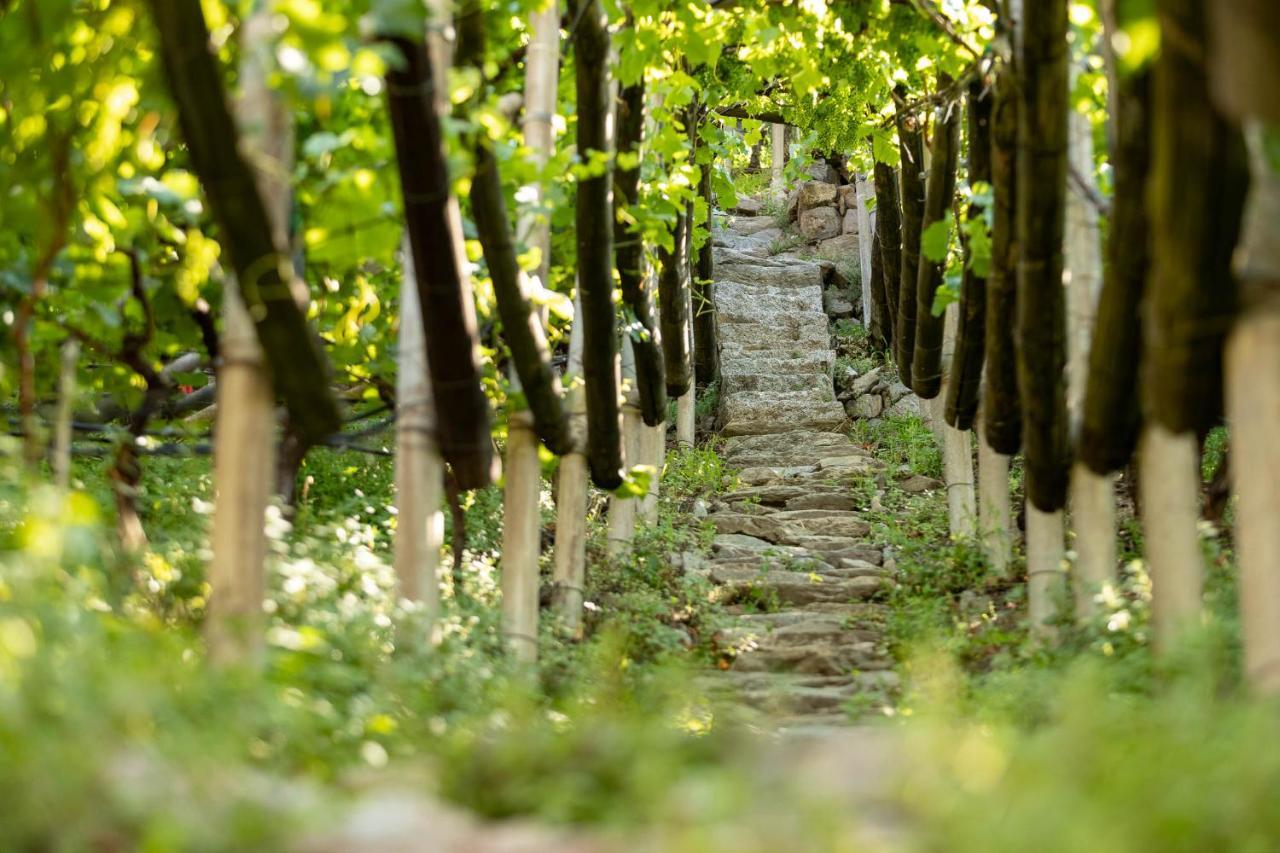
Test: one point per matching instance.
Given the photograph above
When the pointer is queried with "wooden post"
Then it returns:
(521, 537)
(244, 447)
(66, 408)
(862, 192)
(622, 510)
(1169, 479)
(419, 468)
(995, 518)
(1092, 495)
(1045, 575)
(571, 496)
(777, 153)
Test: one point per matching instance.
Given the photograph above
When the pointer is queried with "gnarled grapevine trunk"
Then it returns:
(444, 288)
(673, 305)
(1001, 408)
(966, 364)
(629, 257)
(926, 363)
(706, 349)
(594, 221)
(1111, 416)
(1190, 302)
(521, 325)
(911, 145)
(295, 358)
(889, 240)
(1041, 315)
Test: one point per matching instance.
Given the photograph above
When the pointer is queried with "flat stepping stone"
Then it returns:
(791, 587)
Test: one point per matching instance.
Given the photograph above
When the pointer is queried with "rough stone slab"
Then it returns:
(785, 528)
(780, 416)
(800, 274)
(820, 224)
(794, 588)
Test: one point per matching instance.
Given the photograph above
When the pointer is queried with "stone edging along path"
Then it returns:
(791, 555)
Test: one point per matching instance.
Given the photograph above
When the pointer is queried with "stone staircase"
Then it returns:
(791, 555)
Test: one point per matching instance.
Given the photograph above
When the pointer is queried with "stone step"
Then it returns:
(784, 440)
(757, 363)
(753, 417)
(795, 274)
(782, 587)
(767, 301)
(782, 338)
(774, 382)
(791, 695)
(789, 527)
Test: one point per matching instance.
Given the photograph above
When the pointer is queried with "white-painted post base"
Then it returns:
(1253, 409)
(995, 517)
(571, 540)
(1093, 521)
(685, 423)
(654, 453)
(1046, 553)
(521, 538)
(622, 511)
(1169, 479)
(957, 464)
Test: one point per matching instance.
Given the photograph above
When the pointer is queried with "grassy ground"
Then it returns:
(117, 735)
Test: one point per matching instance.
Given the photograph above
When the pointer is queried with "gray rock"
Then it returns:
(849, 222)
(837, 303)
(822, 500)
(864, 407)
(863, 384)
(821, 170)
(919, 483)
(819, 224)
(906, 407)
(837, 246)
(748, 206)
(816, 194)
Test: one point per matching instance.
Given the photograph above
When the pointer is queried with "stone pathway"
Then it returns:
(791, 554)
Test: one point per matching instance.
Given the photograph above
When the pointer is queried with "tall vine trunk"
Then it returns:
(889, 234)
(1111, 416)
(926, 363)
(521, 325)
(911, 146)
(1189, 305)
(629, 253)
(966, 365)
(706, 348)
(673, 305)
(1245, 63)
(995, 513)
(878, 333)
(294, 355)
(434, 227)
(1002, 410)
(1041, 316)
(594, 232)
